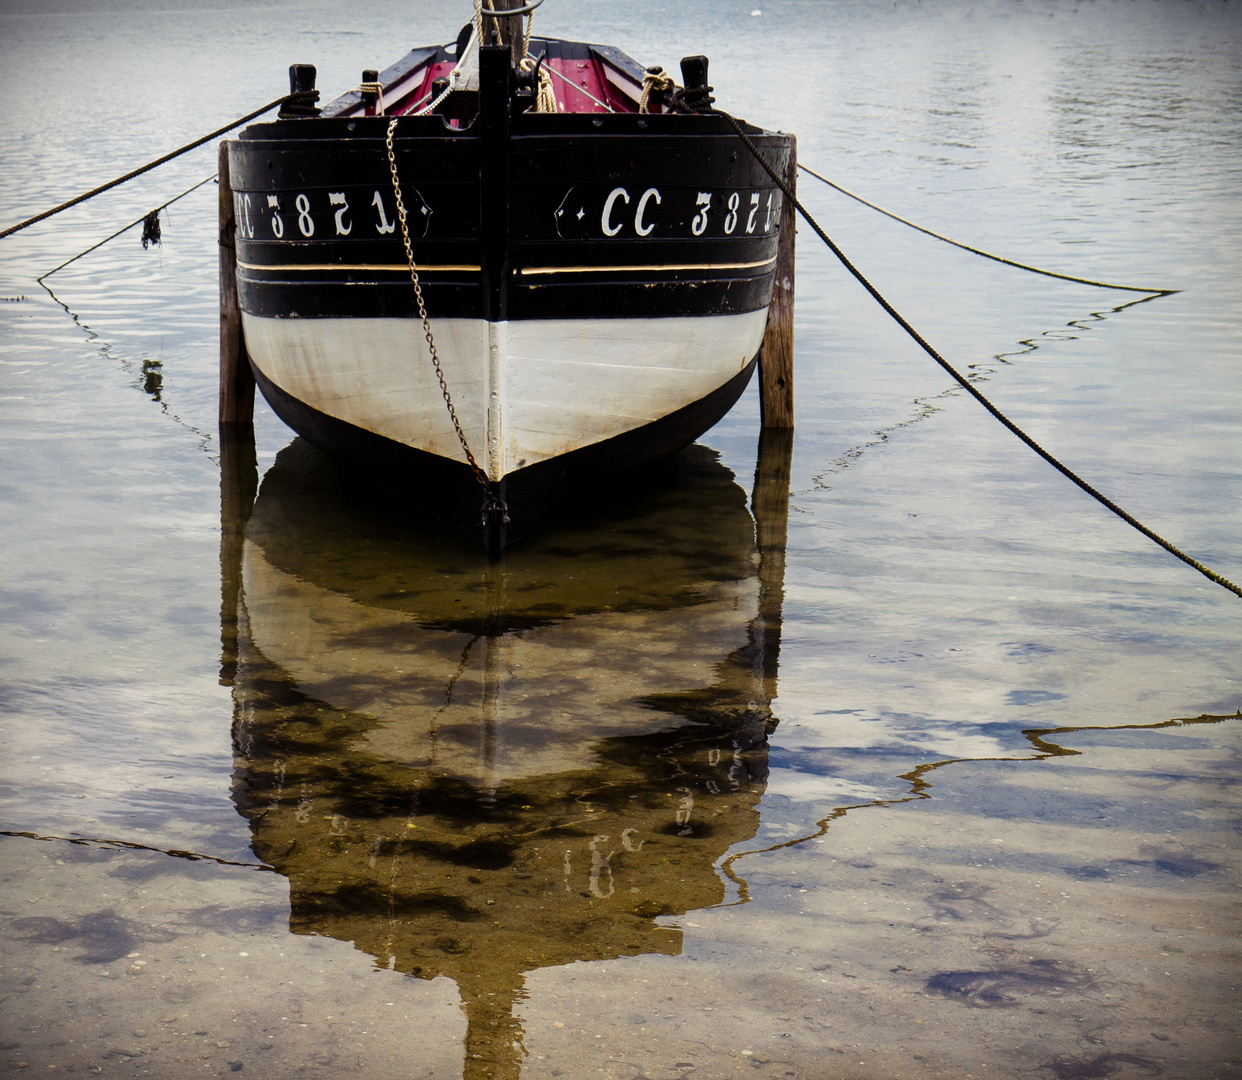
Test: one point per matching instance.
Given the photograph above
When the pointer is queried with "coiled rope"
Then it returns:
(300, 104)
(656, 83)
(977, 251)
(376, 88)
(965, 383)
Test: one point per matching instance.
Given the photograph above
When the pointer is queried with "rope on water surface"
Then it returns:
(965, 383)
(130, 845)
(977, 251)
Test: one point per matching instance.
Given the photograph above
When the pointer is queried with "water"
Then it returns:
(926, 770)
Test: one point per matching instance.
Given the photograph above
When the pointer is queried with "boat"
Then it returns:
(501, 280)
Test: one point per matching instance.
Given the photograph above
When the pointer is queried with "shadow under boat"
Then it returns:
(478, 769)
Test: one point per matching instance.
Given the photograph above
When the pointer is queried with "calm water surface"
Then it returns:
(881, 752)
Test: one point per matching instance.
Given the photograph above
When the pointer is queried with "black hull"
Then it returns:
(517, 250)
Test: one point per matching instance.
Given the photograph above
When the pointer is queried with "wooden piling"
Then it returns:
(776, 360)
(236, 378)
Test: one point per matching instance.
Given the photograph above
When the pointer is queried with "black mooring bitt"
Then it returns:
(694, 71)
(301, 77)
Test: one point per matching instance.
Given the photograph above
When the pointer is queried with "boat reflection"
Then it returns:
(479, 769)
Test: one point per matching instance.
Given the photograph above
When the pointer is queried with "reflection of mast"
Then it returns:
(561, 802)
(494, 1049)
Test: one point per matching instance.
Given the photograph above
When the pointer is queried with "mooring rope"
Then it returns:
(296, 99)
(656, 82)
(139, 221)
(130, 845)
(966, 384)
(977, 251)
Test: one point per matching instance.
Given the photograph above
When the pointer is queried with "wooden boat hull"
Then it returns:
(535, 494)
(597, 289)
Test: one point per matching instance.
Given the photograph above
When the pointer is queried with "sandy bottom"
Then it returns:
(950, 936)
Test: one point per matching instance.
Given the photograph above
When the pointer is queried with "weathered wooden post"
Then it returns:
(509, 30)
(236, 378)
(776, 360)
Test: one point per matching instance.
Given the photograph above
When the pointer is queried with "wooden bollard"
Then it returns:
(236, 378)
(776, 360)
(372, 101)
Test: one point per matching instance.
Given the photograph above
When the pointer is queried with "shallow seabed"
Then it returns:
(880, 751)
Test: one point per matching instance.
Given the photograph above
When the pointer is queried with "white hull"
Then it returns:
(525, 391)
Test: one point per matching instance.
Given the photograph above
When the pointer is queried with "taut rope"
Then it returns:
(977, 251)
(965, 383)
(297, 99)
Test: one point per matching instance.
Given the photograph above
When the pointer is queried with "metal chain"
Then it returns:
(435, 104)
(422, 310)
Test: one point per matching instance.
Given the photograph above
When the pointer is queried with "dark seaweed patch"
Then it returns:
(1003, 988)
(1088, 873)
(104, 935)
(1183, 866)
(360, 793)
(1068, 1068)
(962, 901)
(483, 854)
(371, 800)
(651, 909)
(42, 929)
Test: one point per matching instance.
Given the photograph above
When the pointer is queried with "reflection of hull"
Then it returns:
(449, 690)
(598, 281)
(477, 771)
